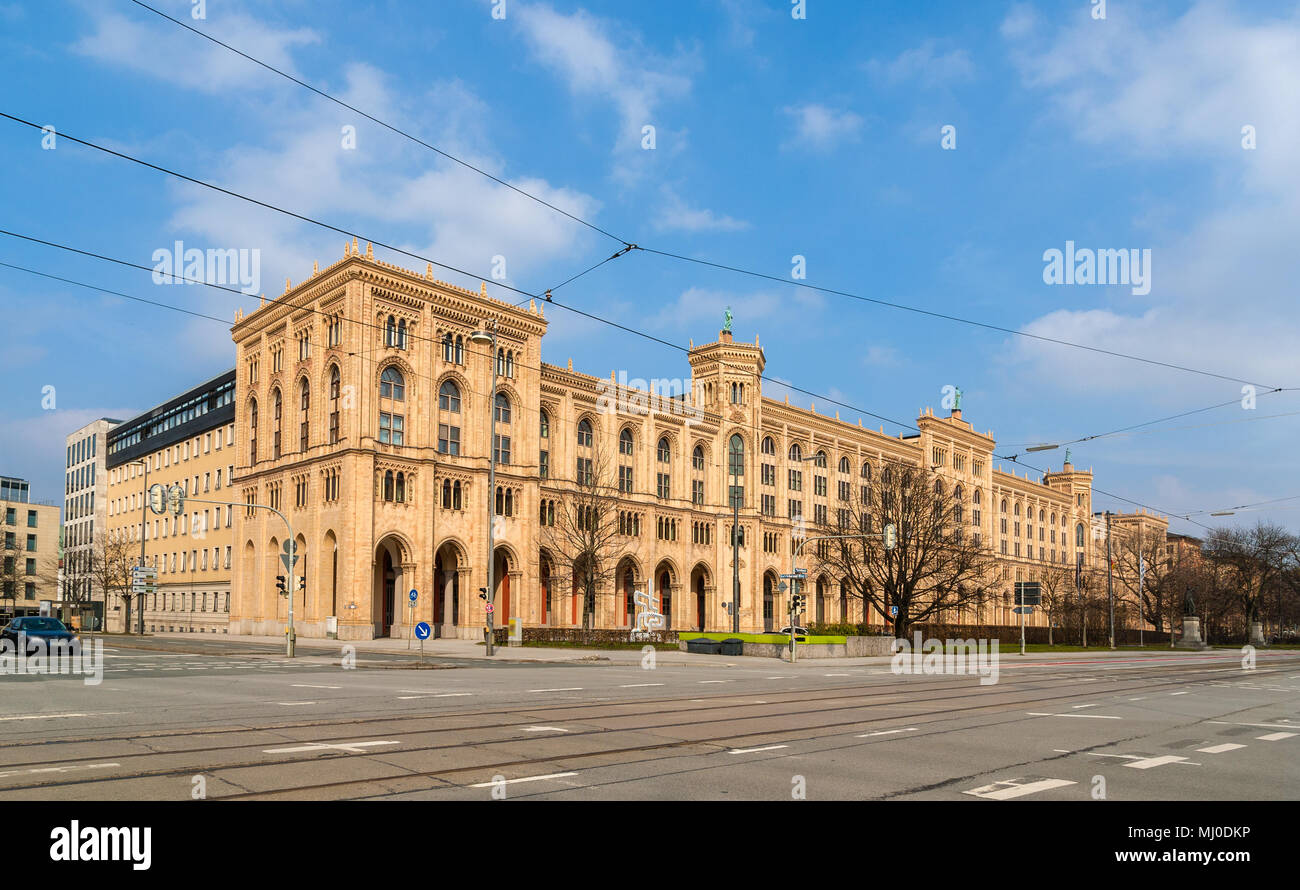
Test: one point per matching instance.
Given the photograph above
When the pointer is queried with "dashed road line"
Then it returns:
(1275, 736)
(1220, 749)
(1093, 716)
(1010, 789)
(350, 747)
(524, 779)
(754, 750)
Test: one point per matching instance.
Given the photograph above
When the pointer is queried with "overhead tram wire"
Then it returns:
(1044, 446)
(223, 323)
(630, 245)
(651, 337)
(370, 117)
(233, 194)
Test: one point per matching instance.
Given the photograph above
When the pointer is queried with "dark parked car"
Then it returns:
(36, 628)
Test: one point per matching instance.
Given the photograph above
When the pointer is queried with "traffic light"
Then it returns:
(891, 536)
(302, 583)
(279, 585)
(482, 593)
(796, 603)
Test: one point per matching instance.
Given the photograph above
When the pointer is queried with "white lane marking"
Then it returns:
(57, 769)
(636, 685)
(1275, 736)
(525, 779)
(1008, 790)
(837, 675)
(886, 732)
(715, 681)
(1139, 698)
(432, 694)
(1093, 716)
(1220, 749)
(1259, 725)
(350, 747)
(1149, 762)
(544, 729)
(1178, 693)
(311, 686)
(559, 689)
(752, 750)
(778, 678)
(55, 716)
(291, 703)
(1093, 705)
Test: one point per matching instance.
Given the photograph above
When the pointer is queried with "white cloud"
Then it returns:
(821, 128)
(160, 49)
(1180, 90)
(595, 62)
(925, 65)
(675, 215)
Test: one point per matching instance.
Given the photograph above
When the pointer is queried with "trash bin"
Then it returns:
(703, 646)
(732, 646)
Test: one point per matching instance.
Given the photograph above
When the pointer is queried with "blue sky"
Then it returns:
(774, 137)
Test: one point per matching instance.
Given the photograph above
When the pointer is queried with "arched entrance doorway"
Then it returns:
(625, 577)
(544, 572)
(769, 603)
(388, 579)
(664, 593)
(501, 582)
(821, 600)
(699, 583)
(447, 566)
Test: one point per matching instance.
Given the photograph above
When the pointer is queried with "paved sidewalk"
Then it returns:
(399, 651)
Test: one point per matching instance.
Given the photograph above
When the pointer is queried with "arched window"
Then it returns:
(401, 334)
(1004, 505)
(503, 408)
(388, 485)
(449, 397)
(510, 364)
(276, 410)
(625, 442)
(821, 460)
(769, 447)
(399, 494)
(844, 465)
(252, 431)
(448, 348)
(866, 470)
(1017, 508)
(304, 421)
(392, 385)
(335, 391)
(390, 332)
(975, 498)
(1078, 535)
(1041, 514)
(663, 451)
(460, 350)
(584, 433)
(544, 423)
(446, 494)
(796, 453)
(697, 457)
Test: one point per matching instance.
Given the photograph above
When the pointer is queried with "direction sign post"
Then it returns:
(422, 631)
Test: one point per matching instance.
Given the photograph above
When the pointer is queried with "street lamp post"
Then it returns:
(1110, 589)
(489, 338)
(144, 507)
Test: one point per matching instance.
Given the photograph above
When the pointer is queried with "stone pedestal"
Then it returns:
(1191, 634)
(1257, 634)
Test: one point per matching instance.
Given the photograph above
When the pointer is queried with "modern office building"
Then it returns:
(85, 501)
(29, 550)
(186, 441)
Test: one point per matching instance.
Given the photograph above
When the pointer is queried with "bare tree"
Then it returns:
(1140, 562)
(1255, 559)
(111, 559)
(1057, 584)
(936, 567)
(588, 536)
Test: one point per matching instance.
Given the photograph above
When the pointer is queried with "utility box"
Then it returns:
(332, 627)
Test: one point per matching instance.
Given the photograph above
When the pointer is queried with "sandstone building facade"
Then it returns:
(361, 414)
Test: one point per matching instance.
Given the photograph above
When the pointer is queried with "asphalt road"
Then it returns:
(249, 724)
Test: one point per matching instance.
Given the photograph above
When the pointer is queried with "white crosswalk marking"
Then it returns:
(1275, 736)
(1220, 749)
(1011, 788)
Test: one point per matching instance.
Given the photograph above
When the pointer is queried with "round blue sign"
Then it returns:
(422, 631)
(414, 594)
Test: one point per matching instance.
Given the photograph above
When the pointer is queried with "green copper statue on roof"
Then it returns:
(726, 320)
